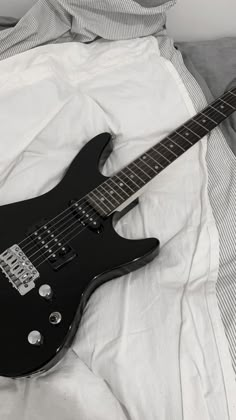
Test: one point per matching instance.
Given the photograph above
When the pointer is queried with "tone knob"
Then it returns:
(35, 338)
(45, 291)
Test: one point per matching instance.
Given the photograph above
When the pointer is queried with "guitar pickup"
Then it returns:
(87, 216)
(50, 245)
(58, 259)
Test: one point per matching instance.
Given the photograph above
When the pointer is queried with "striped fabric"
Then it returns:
(221, 163)
(66, 20)
(84, 21)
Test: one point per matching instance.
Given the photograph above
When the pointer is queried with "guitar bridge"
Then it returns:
(18, 269)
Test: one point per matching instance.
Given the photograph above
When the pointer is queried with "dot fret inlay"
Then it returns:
(120, 187)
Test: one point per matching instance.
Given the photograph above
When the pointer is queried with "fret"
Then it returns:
(166, 153)
(185, 137)
(157, 166)
(193, 132)
(176, 146)
(184, 142)
(229, 103)
(130, 176)
(125, 180)
(130, 184)
(222, 108)
(103, 200)
(197, 126)
(135, 178)
(117, 189)
(112, 187)
(143, 172)
(203, 120)
(94, 199)
(112, 193)
(217, 110)
(170, 148)
(162, 165)
(120, 187)
(133, 168)
(226, 106)
(166, 161)
(210, 118)
(144, 159)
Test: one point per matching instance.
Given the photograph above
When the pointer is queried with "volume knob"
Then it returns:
(45, 291)
(35, 338)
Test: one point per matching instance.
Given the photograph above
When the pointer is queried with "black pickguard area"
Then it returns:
(94, 256)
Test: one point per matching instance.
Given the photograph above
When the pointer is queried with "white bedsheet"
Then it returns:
(146, 345)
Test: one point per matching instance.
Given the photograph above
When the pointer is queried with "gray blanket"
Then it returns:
(213, 64)
(7, 22)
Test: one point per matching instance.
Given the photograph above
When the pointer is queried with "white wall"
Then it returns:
(188, 20)
(202, 19)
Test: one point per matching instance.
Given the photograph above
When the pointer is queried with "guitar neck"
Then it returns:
(118, 189)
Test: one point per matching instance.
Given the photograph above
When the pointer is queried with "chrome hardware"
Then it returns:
(18, 269)
(35, 338)
(55, 318)
(45, 291)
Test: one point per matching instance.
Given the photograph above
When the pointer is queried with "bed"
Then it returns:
(157, 343)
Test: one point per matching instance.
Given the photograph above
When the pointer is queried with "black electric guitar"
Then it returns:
(56, 249)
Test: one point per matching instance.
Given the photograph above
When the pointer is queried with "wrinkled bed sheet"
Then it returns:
(150, 344)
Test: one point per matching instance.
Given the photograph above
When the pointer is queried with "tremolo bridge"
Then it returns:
(18, 269)
(45, 243)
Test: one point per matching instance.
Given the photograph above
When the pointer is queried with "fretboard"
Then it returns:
(116, 190)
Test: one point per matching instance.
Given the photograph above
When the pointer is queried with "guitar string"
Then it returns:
(78, 226)
(50, 221)
(76, 229)
(69, 227)
(45, 226)
(170, 153)
(69, 208)
(70, 238)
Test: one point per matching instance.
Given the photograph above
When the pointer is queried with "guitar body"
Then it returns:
(97, 257)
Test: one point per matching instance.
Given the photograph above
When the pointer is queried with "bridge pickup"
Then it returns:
(49, 242)
(62, 257)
